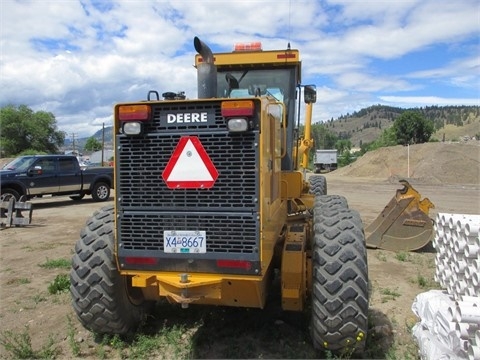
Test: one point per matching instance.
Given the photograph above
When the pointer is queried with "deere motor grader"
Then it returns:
(212, 202)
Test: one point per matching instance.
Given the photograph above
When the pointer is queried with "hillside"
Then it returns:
(452, 123)
(432, 163)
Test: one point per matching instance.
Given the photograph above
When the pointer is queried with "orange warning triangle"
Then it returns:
(189, 166)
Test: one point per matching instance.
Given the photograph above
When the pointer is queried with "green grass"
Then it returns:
(389, 294)
(425, 283)
(60, 284)
(56, 264)
(19, 281)
(403, 256)
(19, 345)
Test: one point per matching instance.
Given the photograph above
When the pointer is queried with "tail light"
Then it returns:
(133, 117)
(237, 108)
(237, 113)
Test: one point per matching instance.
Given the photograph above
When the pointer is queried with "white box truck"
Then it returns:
(325, 160)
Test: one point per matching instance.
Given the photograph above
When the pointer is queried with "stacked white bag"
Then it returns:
(449, 326)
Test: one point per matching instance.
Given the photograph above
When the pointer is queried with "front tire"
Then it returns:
(340, 280)
(104, 301)
(101, 191)
(8, 193)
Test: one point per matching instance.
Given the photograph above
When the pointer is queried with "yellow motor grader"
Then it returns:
(212, 200)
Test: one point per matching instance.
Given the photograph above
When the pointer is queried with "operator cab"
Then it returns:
(250, 83)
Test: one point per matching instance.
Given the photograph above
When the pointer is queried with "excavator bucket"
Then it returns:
(404, 224)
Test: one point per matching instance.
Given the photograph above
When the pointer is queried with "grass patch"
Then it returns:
(381, 256)
(403, 256)
(38, 298)
(18, 281)
(74, 344)
(389, 294)
(425, 283)
(19, 345)
(56, 264)
(172, 342)
(60, 284)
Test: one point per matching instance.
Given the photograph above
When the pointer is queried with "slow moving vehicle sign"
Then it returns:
(190, 166)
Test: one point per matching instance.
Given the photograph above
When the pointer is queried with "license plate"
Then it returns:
(184, 242)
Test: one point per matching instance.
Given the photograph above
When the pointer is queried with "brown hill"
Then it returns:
(453, 123)
(433, 163)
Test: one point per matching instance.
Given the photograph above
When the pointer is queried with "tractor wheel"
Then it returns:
(101, 191)
(318, 185)
(332, 200)
(104, 301)
(340, 280)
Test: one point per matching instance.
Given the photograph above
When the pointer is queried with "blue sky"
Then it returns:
(76, 59)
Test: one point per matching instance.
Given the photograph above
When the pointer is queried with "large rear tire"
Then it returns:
(103, 300)
(331, 200)
(318, 185)
(340, 280)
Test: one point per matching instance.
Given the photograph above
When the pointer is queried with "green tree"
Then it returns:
(322, 137)
(412, 128)
(386, 138)
(22, 130)
(343, 146)
(92, 144)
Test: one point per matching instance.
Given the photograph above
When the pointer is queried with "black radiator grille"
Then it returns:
(227, 212)
(141, 161)
(226, 233)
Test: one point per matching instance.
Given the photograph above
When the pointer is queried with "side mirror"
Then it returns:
(36, 170)
(310, 94)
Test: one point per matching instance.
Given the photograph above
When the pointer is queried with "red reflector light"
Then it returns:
(252, 46)
(237, 108)
(131, 260)
(235, 264)
(134, 112)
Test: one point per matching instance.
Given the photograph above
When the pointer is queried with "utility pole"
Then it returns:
(103, 141)
(73, 143)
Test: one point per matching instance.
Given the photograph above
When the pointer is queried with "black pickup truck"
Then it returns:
(38, 175)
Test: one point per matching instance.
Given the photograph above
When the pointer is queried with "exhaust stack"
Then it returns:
(206, 71)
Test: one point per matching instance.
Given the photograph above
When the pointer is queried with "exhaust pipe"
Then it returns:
(206, 71)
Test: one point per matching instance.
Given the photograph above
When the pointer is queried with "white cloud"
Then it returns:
(409, 101)
(76, 60)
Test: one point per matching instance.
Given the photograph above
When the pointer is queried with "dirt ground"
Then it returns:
(25, 300)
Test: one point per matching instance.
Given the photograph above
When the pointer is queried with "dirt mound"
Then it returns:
(434, 163)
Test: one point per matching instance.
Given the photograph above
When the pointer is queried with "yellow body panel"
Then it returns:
(253, 58)
(215, 289)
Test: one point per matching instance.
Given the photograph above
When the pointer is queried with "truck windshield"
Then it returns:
(20, 164)
(278, 83)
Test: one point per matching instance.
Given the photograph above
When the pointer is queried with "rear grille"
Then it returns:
(226, 233)
(227, 211)
(142, 160)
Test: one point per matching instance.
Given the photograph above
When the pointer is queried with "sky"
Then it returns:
(76, 59)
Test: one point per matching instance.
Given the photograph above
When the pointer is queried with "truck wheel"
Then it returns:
(318, 185)
(340, 281)
(8, 193)
(103, 300)
(101, 191)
